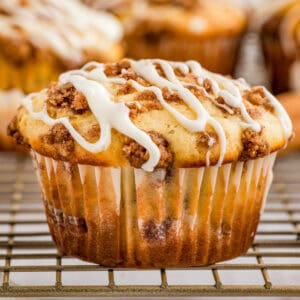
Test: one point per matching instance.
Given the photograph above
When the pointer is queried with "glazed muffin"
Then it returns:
(9, 103)
(280, 37)
(207, 31)
(290, 102)
(152, 163)
(41, 39)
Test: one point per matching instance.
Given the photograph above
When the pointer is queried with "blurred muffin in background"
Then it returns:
(9, 103)
(207, 31)
(280, 36)
(41, 39)
(291, 101)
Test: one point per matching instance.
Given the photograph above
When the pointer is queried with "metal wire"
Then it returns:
(21, 207)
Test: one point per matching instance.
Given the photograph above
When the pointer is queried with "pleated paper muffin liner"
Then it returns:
(176, 217)
(217, 54)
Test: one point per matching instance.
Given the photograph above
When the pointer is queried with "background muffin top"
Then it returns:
(151, 113)
(69, 29)
(204, 18)
(284, 24)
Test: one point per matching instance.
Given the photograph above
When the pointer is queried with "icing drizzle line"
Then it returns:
(115, 115)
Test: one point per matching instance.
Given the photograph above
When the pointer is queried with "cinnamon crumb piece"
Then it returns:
(129, 74)
(112, 70)
(198, 92)
(66, 96)
(170, 96)
(125, 89)
(220, 100)
(252, 110)
(143, 102)
(13, 131)
(124, 63)
(138, 155)
(207, 85)
(146, 95)
(61, 139)
(116, 69)
(134, 109)
(254, 145)
(79, 103)
(205, 139)
(268, 106)
(256, 96)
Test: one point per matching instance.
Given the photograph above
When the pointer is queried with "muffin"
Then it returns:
(152, 163)
(290, 102)
(41, 39)
(9, 103)
(207, 31)
(280, 37)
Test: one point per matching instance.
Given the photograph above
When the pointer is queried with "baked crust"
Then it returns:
(179, 147)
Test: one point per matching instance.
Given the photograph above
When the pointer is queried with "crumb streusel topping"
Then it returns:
(114, 97)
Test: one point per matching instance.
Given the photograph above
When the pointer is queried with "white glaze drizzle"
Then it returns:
(67, 27)
(110, 114)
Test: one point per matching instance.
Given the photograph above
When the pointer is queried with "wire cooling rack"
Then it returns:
(30, 265)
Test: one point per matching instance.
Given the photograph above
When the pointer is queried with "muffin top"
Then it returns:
(68, 29)
(284, 24)
(196, 18)
(151, 114)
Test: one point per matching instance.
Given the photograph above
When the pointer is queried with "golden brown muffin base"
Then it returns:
(218, 54)
(125, 217)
